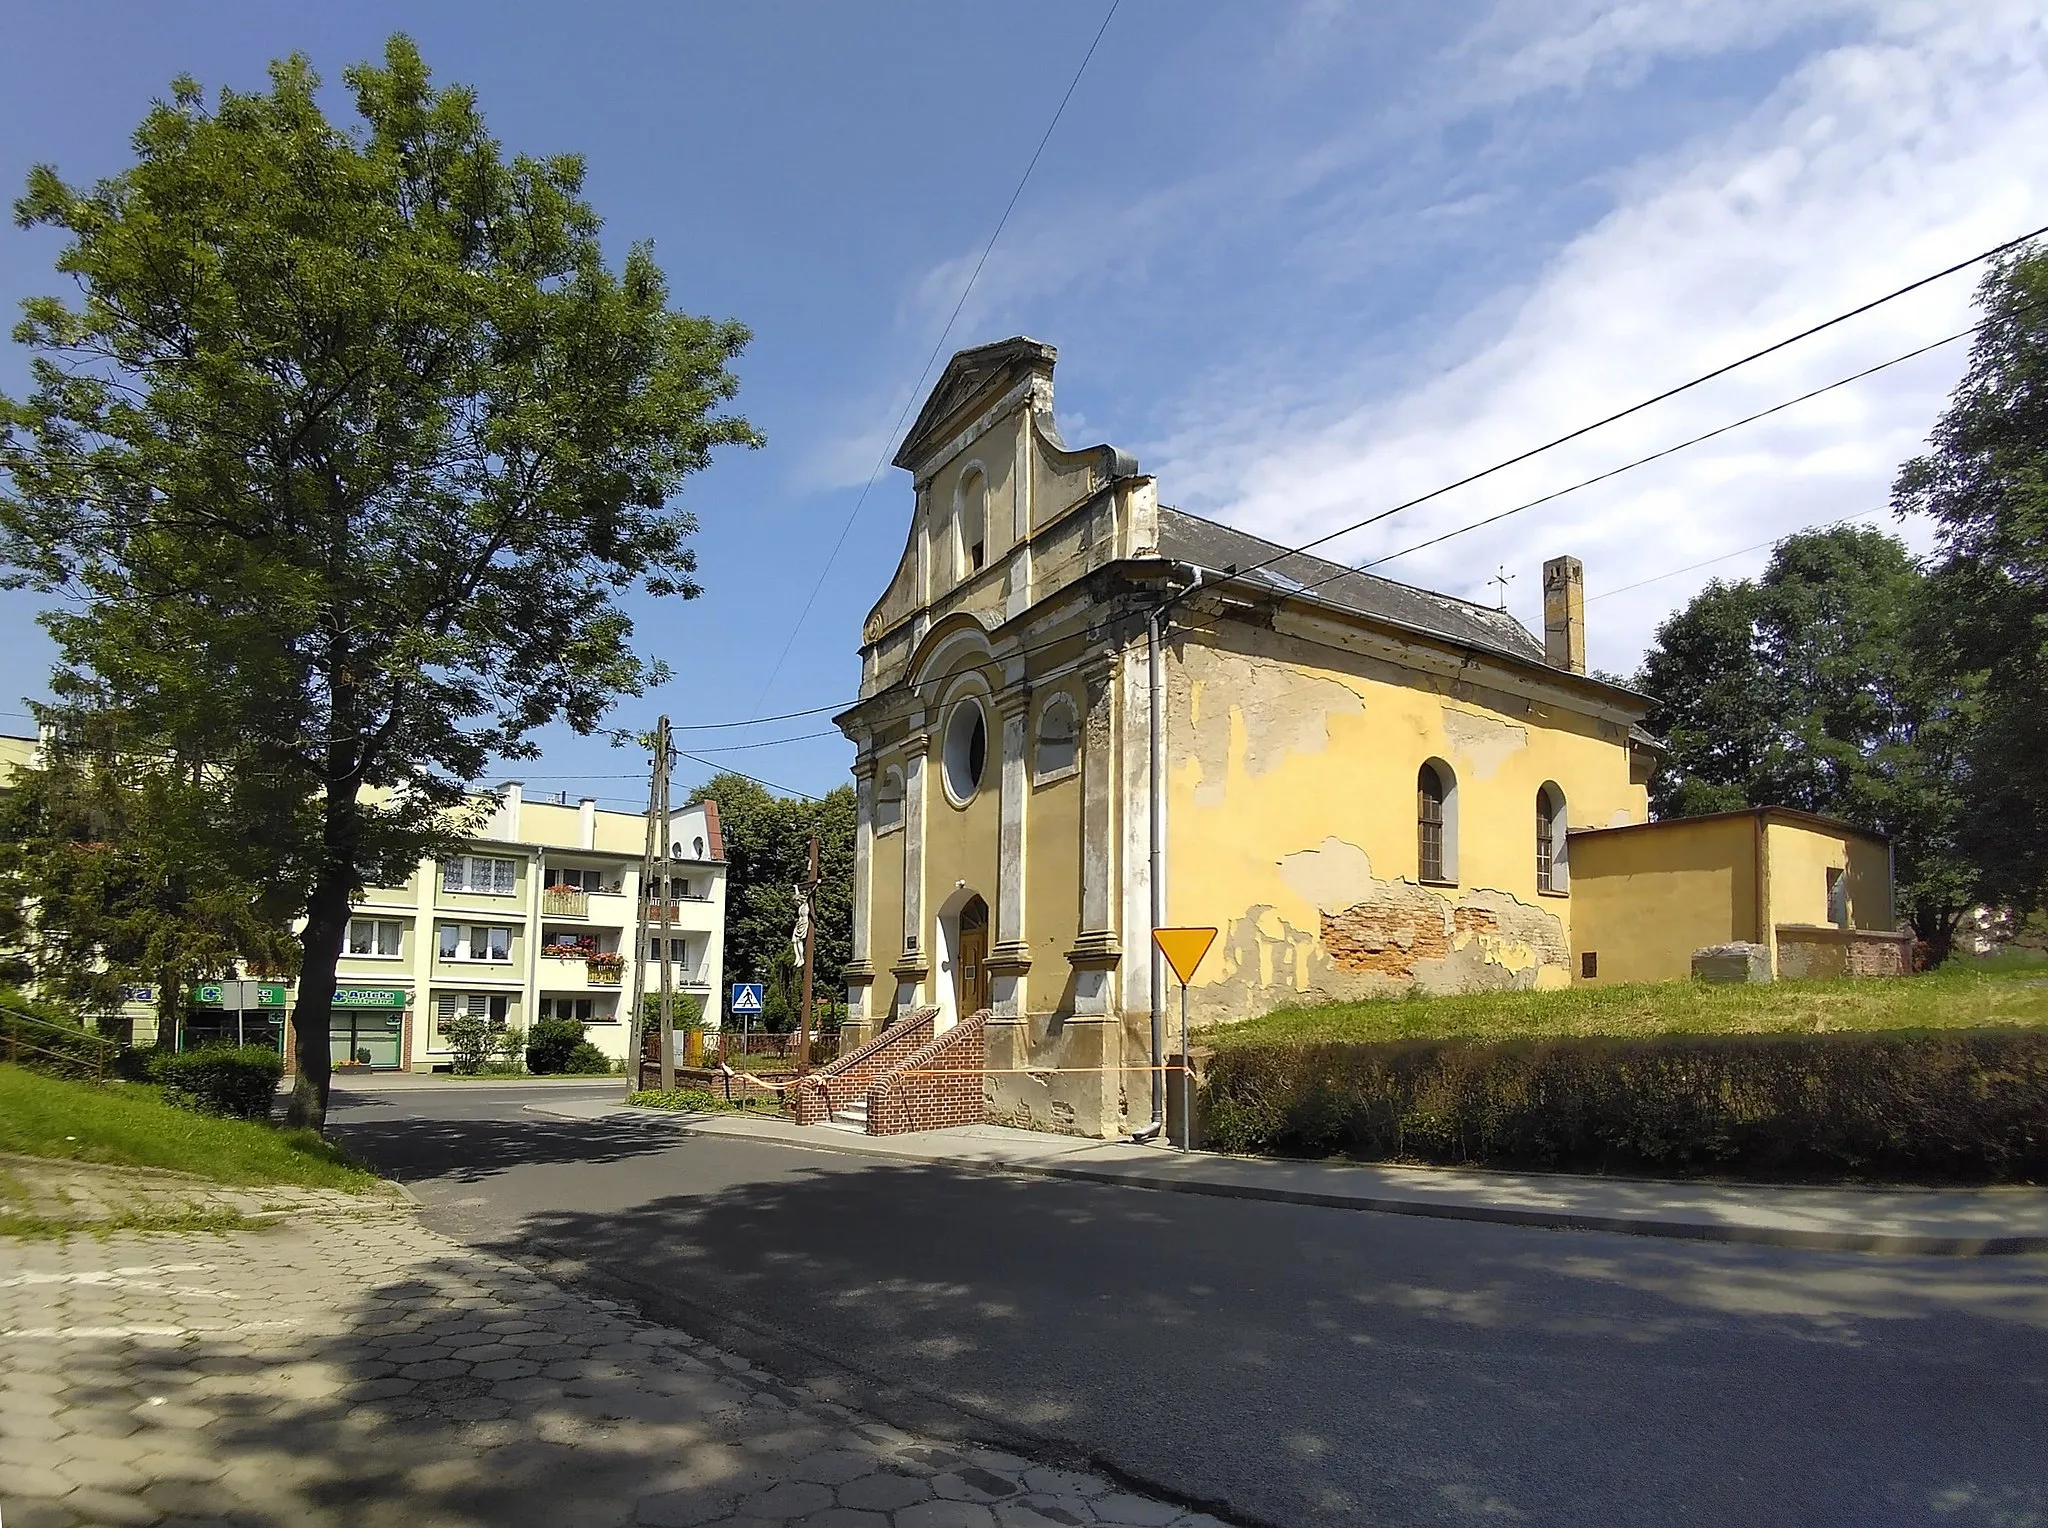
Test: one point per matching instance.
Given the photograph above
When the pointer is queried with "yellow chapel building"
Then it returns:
(1084, 714)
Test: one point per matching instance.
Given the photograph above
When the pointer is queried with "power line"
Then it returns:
(1638, 407)
(973, 277)
(1644, 461)
(720, 769)
(1693, 567)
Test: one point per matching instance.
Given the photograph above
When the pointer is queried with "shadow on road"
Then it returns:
(1316, 1367)
(469, 1150)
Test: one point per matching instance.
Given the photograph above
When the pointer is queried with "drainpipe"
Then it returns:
(1156, 789)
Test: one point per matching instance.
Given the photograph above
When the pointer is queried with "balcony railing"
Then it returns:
(564, 902)
(605, 970)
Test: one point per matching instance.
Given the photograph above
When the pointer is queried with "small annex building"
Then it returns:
(1367, 787)
(1812, 897)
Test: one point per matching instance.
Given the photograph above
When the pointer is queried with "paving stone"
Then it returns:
(884, 1492)
(435, 1368)
(684, 1509)
(946, 1514)
(110, 1507)
(833, 1466)
(1024, 1514)
(845, 1517)
(793, 1498)
(1137, 1511)
(972, 1483)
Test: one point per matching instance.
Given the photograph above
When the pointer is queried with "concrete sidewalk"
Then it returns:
(1951, 1223)
(340, 1366)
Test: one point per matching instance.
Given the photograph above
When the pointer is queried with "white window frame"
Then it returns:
(467, 942)
(498, 877)
(377, 927)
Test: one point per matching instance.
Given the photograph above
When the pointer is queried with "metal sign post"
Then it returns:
(1184, 949)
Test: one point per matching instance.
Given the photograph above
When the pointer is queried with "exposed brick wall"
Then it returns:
(1809, 951)
(849, 1078)
(937, 1086)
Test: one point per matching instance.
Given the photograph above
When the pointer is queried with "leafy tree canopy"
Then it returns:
(1807, 688)
(342, 457)
(1984, 482)
(767, 850)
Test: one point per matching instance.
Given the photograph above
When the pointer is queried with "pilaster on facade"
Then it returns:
(859, 972)
(1097, 951)
(916, 752)
(1009, 962)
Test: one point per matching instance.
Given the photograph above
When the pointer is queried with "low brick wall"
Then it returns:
(1808, 950)
(937, 1086)
(849, 1078)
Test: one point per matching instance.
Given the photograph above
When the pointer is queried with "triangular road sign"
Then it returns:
(1184, 948)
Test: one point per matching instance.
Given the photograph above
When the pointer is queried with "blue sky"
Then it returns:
(1304, 259)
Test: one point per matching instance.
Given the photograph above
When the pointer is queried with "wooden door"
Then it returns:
(970, 965)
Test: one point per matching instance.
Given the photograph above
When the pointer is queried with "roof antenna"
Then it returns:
(1502, 578)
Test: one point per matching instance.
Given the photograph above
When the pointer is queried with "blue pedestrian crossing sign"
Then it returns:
(747, 997)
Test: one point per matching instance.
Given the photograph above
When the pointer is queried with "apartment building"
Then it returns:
(534, 919)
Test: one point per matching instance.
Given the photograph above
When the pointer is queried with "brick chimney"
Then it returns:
(1564, 614)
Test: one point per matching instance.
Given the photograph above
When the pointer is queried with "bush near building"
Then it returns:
(558, 1045)
(1937, 1078)
(238, 1081)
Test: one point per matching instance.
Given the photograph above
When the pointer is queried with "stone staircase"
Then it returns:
(851, 1115)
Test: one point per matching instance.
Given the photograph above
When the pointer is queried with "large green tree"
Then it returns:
(343, 454)
(1984, 482)
(1807, 688)
(767, 849)
(115, 877)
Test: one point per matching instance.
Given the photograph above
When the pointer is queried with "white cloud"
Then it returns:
(1876, 160)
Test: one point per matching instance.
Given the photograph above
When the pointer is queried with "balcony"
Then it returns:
(564, 902)
(604, 970)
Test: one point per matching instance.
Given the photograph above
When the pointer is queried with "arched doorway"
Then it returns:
(970, 959)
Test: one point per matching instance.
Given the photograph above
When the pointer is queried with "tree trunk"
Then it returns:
(327, 913)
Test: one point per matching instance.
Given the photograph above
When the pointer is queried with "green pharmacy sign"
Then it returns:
(369, 997)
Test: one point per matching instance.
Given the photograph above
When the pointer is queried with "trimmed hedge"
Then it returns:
(238, 1081)
(1958, 1105)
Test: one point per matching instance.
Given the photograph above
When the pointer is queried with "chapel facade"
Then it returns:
(1084, 714)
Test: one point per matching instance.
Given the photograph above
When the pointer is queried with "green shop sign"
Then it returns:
(369, 997)
(268, 995)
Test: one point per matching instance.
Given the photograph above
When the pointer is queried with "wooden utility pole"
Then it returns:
(636, 1026)
(803, 1022)
(668, 909)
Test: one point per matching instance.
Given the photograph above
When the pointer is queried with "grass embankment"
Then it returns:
(127, 1125)
(1975, 996)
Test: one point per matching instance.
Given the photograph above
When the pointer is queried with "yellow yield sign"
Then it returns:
(1184, 949)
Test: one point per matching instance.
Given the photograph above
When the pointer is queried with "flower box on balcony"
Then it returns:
(568, 951)
(605, 968)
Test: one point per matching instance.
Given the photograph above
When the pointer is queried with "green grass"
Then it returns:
(1959, 996)
(126, 1124)
(215, 1221)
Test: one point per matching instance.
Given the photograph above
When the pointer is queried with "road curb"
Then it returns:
(1901, 1243)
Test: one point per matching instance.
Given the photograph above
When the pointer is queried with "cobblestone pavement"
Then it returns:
(346, 1366)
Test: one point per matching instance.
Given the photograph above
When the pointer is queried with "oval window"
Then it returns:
(966, 751)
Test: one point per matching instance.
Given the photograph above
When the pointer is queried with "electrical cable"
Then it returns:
(1692, 567)
(974, 276)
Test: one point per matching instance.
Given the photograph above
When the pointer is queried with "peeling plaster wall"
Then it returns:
(1292, 822)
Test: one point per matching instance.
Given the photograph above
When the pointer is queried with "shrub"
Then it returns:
(552, 1042)
(472, 1038)
(236, 1080)
(692, 1100)
(1945, 1104)
(587, 1060)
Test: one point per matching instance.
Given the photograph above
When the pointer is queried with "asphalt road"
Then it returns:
(1287, 1364)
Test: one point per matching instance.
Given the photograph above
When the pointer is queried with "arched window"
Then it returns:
(1059, 745)
(970, 519)
(1552, 872)
(1436, 823)
(966, 751)
(889, 800)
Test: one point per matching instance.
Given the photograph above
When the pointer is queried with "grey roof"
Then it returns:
(1187, 538)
